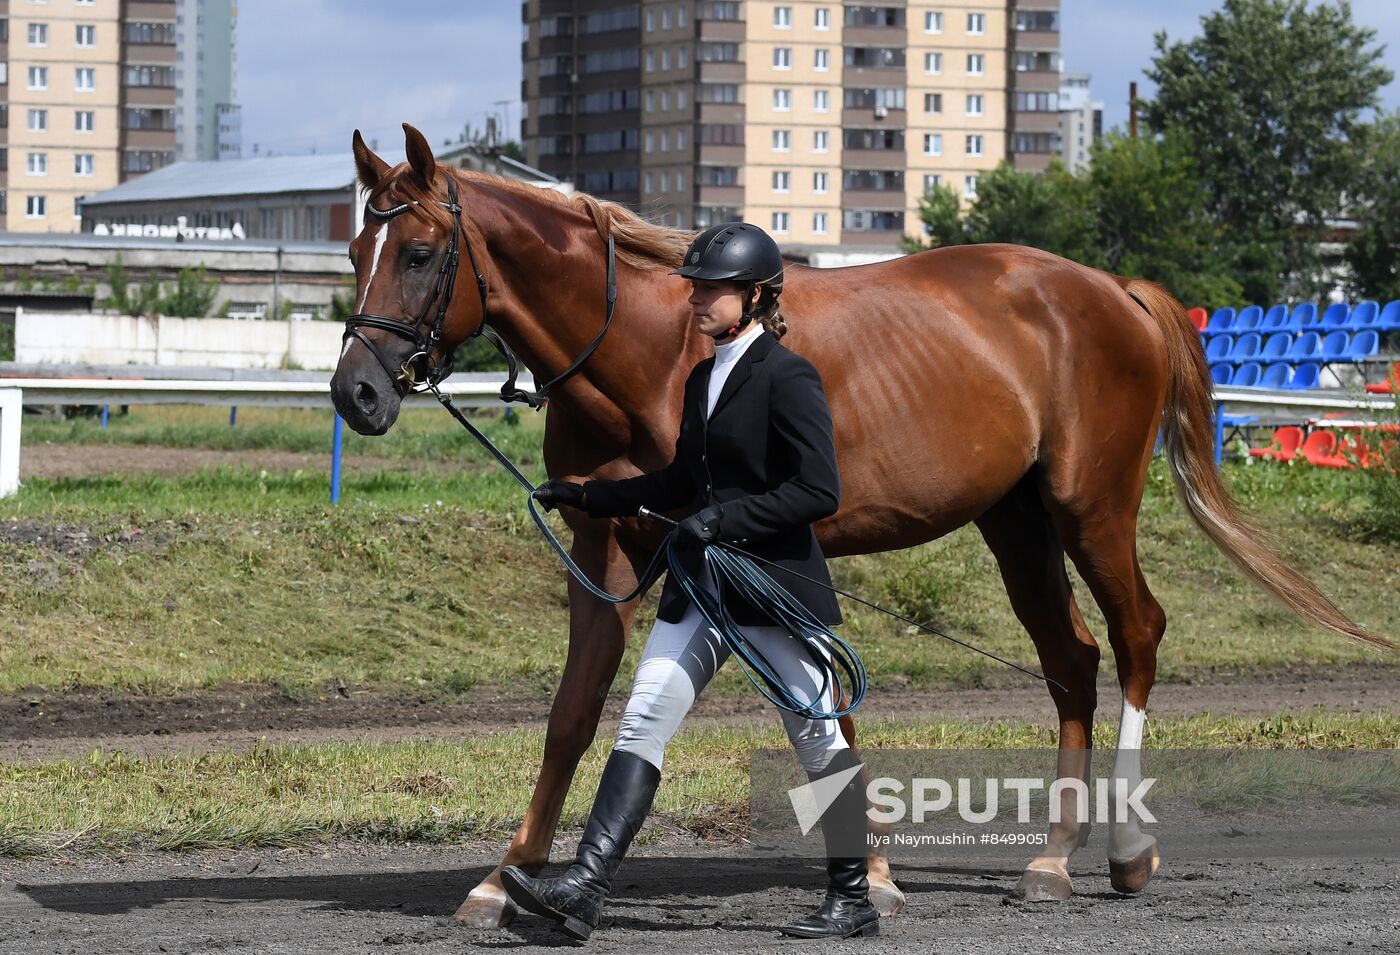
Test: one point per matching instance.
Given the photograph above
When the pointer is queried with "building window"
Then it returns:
(933, 23)
(974, 145)
(782, 140)
(782, 101)
(665, 18)
(976, 24)
(782, 18)
(820, 140)
(974, 104)
(680, 57)
(38, 164)
(823, 18)
(4, 69)
(651, 61)
(782, 181)
(38, 77)
(821, 101)
(650, 21)
(976, 64)
(85, 34)
(665, 101)
(39, 36)
(680, 180)
(648, 184)
(680, 139)
(970, 186)
(819, 223)
(649, 142)
(38, 120)
(782, 57)
(933, 144)
(665, 58)
(85, 79)
(665, 140)
(933, 103)
(680, 15)
(36, 207)
(780, 222)
(821, 60)
(83, 120)
(83, 164)
(665, 181)
(150, 76)
(932, 181)
(933, 63)
(819, 182)
(680, 99)
(651, 101)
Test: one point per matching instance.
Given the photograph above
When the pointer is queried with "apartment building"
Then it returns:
(1081, 120)
(89, 91)
(822, 121)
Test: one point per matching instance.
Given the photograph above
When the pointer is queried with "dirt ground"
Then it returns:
(43, 726)
(683, 899)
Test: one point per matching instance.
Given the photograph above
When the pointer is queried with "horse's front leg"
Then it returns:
(597, 635)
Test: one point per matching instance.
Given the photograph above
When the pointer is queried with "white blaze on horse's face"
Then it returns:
(379, 238)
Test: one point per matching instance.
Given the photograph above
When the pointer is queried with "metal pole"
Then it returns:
(1219, 433)
(335, 461)
(233, 416)
(104, 417)
(1132, 109)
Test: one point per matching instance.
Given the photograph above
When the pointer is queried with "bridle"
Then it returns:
(419, 372)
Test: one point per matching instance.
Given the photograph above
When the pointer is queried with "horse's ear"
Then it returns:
(368, 167)
(420, 155)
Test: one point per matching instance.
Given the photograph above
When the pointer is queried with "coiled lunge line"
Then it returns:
(738, 570)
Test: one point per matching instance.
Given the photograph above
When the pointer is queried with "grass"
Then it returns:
(435, 582)
(436, 792)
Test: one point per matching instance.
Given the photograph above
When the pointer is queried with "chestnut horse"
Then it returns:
(994, 384)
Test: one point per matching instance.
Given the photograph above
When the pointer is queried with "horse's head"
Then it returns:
(406, 258)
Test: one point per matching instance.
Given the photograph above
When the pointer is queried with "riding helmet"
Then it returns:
(735, 251)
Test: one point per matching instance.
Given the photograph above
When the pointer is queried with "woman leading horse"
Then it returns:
(991, 384)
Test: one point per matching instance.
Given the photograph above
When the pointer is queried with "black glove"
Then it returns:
(552, 493)
(700, 529)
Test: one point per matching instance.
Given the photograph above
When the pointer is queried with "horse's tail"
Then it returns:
(1190, 439)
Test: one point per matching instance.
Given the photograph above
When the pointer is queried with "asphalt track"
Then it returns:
(680, 899)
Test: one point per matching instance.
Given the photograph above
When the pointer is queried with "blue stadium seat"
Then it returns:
(1275, 320)
(1248, 320)
(1335, 317)
(1276, 376)
(1389, 320)
(1304, 317)
(1219, 348)
(1364, 316)
(1247, 375)
(1246, 348)
(1306, 346)
(1277, 346)
(1305, 376)
(1334, 346)
(1221, 373)
(1221, 321)
(1364, 345)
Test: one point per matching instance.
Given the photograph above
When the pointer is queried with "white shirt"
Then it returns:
(726, 357)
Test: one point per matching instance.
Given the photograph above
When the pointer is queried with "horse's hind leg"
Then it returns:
(1095, 510)
(1027, 548)
(597, 636)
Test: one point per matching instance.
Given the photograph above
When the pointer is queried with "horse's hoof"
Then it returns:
(1132, 875)
(486, 907)
(1042, 885)
(886, 898)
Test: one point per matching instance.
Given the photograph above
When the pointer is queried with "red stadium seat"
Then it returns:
(1199, 318)
(1284, 445)
(1390, 385)
(1321, 449)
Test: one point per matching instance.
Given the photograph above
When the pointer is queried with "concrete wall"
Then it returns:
(67, 337)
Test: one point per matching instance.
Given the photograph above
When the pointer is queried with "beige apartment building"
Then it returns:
(824, 122)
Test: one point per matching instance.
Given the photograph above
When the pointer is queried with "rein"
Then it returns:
(419, 372)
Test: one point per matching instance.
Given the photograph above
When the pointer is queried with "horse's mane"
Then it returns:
(640, 244)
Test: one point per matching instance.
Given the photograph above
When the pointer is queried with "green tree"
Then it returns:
(1373, 253)
(1045, 210)
(192, 297)
(1271, 97)
(1151, 219)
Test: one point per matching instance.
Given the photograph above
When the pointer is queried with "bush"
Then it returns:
(1383, 480)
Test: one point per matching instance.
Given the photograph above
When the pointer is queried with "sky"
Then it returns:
(312, 71)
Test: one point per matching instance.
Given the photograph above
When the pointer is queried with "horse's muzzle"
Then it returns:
(365, 397)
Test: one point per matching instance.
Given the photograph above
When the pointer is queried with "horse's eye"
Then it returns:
(417, 258)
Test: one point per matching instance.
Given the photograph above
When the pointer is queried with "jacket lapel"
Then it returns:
(742, 370)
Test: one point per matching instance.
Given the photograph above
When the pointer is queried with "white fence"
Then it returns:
(89, 339)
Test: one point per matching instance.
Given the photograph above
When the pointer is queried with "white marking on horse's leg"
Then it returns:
(1125, 838)
(379, 238)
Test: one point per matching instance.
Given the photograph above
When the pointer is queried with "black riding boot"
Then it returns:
(846, 910)
(575, 899)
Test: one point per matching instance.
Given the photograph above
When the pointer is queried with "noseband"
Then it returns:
(419, 372)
